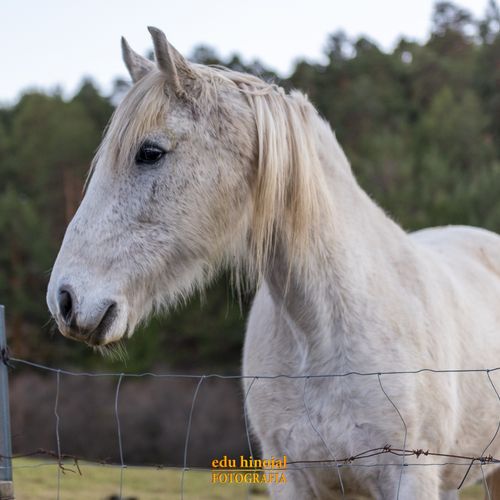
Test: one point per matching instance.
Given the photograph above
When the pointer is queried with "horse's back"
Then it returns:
(463, 242)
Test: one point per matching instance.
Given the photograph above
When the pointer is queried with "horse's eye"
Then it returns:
(149, 154)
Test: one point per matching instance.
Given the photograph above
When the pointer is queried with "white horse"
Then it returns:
(204, 167)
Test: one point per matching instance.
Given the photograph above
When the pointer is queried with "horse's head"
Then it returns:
(199, 166)
(167, 199)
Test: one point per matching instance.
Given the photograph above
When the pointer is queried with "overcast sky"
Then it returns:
(57, 42)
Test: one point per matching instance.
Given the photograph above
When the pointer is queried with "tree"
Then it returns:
(420, 125)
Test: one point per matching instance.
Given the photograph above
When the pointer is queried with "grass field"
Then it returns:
(36, 480)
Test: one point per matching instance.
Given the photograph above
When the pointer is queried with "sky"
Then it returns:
(44, 44)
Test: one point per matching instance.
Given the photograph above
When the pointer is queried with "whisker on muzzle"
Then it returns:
(115, 351)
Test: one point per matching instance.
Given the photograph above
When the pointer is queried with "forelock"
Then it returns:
(142, 110)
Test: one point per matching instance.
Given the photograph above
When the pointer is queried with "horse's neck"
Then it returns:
(349, 256)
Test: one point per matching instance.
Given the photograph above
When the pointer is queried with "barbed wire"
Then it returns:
(337, 462)
(68, 463)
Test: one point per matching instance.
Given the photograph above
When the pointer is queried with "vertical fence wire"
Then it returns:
(405, 433)
(58, 439)
(485, 482)
(188, 432)
(498, 426)
(316, 430)
(245, 414)
(119, 431)
(247, 430)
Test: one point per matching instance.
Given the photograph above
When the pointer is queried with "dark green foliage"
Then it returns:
(421, 126)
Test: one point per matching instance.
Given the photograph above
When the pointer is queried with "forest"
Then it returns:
(420, 125)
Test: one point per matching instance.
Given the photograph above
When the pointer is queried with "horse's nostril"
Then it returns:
(108, 317)
(95, 334)
(65, 301)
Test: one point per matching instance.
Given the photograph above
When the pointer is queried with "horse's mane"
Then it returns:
(290, 192)
(291, 197)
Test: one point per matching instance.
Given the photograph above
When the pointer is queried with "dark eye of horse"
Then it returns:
(149, 154)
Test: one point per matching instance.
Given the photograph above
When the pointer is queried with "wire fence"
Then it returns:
(68, 462)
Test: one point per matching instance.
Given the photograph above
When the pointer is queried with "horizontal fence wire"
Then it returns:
(72, 463)
(11, 360)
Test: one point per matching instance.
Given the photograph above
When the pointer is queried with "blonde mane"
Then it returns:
(290, 194)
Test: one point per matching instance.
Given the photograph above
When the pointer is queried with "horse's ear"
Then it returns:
(137, 65)
(170, 61)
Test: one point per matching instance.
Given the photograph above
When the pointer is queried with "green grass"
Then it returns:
(36, 480)
(33, 481)
(475, 492)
